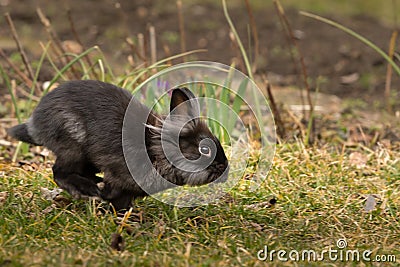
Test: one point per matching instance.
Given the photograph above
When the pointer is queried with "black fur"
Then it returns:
(20, 132)
(82, 123)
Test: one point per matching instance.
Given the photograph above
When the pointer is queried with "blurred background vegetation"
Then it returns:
(330, 54)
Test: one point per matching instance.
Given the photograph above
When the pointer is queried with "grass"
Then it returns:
(320, 198)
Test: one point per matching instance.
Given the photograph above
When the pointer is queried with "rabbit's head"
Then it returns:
(182, 148)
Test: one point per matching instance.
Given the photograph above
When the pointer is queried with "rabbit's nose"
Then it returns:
(221, 166)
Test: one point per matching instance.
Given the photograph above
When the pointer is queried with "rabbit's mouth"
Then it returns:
(220, 177)
(217, 173)
(220, 172)
(224, 176)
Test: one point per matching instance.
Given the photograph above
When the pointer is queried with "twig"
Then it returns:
(278, 121)
(142, 51)
(153, 45)
(255, 35)
(389, 71)
(297, 122)
(21, 50)
(58, 50)
(16, 69)
(7, 120)
(245, 59)
(29, 95)
(78, 40)
(15, 110)
(72, 25)
(239, 42)
(131, 61)
(167, 52)
(8, 84)
(20, 89)
(134, 49)
(53, 36)
(181, 28)
(237, 52)
(289, 30)
(292, 57)
(361, 38)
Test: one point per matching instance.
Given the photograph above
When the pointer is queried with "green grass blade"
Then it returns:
(238, 101)
(158, 63)
(176, 56)
(241, 47)
(211, 106)
(13, 98)
(246, 62)
(66, 67)
(102, 63)
(228, 81)
(85, 70)
(223, 112)
(150, 95)
(39, 66)
(355, 35)
(237, 104)
(137, 75)
(102, 70)
(6, 80)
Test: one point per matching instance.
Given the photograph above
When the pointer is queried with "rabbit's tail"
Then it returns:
(20, 132)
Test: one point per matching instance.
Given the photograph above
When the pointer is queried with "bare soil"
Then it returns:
(336, 62)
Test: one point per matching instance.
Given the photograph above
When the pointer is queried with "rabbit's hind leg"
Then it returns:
(70, 175)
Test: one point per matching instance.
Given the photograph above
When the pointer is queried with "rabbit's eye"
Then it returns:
(205, 150)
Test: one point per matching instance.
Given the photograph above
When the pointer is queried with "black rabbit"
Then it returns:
(91, 125)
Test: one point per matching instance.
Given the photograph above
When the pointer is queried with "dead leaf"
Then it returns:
(370, 203)
(28, 166)
(257, 227)
(358, 160)
(263, 205)
(46, 84)
(298, 34)
(50, 194)
(349, 79)
(62, 201)
(159, 229)
(5, 143)
(49, 209)
(45, 152)
(3, 197)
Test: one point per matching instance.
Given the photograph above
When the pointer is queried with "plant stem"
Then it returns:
(356, 35)
(247, 63)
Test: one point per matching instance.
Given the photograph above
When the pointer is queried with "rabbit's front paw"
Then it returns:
(78, 186)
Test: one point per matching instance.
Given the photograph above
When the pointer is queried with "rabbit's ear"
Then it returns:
(184, 103)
